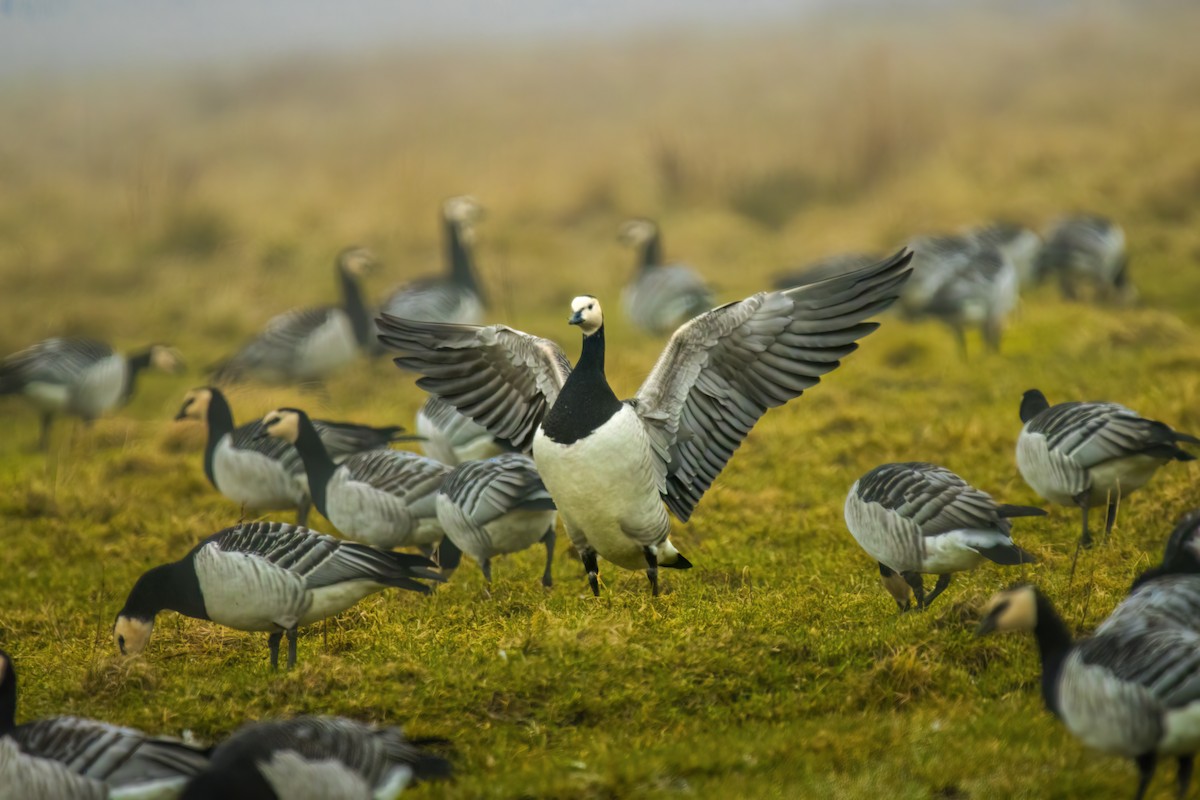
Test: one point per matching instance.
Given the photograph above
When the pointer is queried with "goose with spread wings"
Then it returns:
(611, 465)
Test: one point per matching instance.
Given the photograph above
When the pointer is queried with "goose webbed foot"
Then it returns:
(44, 439)
(1183, 778)
(651, 569)
(273, 644)
(588, 557)
(1145, 765)
(548, 541)
(292, 635)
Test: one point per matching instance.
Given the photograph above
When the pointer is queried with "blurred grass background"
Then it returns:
(187, 208)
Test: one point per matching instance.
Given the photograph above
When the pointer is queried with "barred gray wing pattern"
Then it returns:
(487, 490)
(109, 753)
(399, 473)
(56, 361)
(1092, 433)
(32, 778)
(342, 439)
(1166, 600)
(1164, 660)
(933, 497)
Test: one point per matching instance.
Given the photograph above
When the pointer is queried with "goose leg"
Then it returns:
(548, 540)
(961, 335)
(292, 635)
(448, 556)
(1110, 518)
(1183, 777)
(918, 586)
(1145, 764)
(942, 582)
(486, 566)
(273, 644)
(47, 421)
(588, 557)
(651, 569)
(1085, 538)
(302, 513)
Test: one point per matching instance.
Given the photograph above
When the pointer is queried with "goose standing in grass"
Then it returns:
(456, 296)
(82, 377)
(823, 268)
(452, 438)
(1087, 250)
(266, 474)
(497, 506)
(307, 345)
(1016, 242)
(661, 296)
(384, 498)
(265, 576)
(609, 465)
(113, 756)
(1083, 454)
(916, 518)
(1131, 690)
(315, 758)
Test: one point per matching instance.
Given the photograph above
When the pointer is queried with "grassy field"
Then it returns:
(187, 208)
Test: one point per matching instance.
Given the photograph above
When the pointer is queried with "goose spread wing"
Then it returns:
(722, 370)
(933, 497)
(503, 379)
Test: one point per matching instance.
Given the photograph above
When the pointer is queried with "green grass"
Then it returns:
(188, 210)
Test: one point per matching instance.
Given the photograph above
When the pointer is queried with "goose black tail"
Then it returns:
(1007, 511)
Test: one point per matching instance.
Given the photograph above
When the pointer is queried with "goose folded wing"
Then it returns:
(345, 438)
(252, 437)
(56, 361)
(1105, 431)
(108, 752)
(722, 370)
(403, 475)
(501, 378)
(933, 497)
(487, 490)
(283, 336)
(1163, 659)
(1157, 600)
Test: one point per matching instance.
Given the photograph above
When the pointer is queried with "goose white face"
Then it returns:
(131, 635)
(636, 232)
(463, 209)
(586, 313)
(1011, 610)
(282, 424)
(195, 404)
(356, 261)
(166, 359)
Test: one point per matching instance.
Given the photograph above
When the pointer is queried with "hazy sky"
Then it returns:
(58, 35)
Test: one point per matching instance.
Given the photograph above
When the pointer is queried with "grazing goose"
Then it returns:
(79, 376)
(264, 576)
(1018, 244)
(315, 758)
(266, 474)
(1087, 250)
(384, 498)
(1170, 592)
(1086, 453)
(661, 296)
(453, 439)
(111, 755)
(489, 508)
(611, 465)
(1131, 690)
(306, 345)
(26, 777)
(916, 518)
(823, 268)
(457, 295)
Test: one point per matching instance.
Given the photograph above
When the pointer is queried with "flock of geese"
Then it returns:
(517, 438)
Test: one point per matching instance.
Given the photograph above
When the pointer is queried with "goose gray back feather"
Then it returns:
(31, 778)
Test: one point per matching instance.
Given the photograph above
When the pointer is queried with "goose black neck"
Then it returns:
(172, 587)
(135, 364)
(460, 259)
(586, 401)
(651, 255)
(356, 308)
(318, 464)
(1054, 645)
(220, 423)
(8, 696)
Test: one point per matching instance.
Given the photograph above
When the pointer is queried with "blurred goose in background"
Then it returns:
(1082, 454)
(307, 345)
(384, 498)
(120, 758)
(267, 474)
(822, 268)
(1131, 690)
(497, 506)
(315, 758)
(661, 296)
(916, 518)
(25, 777)
(1087, 250)
(82, 377)
(1169, 593)
(265, 576)
(453, 439)
(609, 465)
(1018, 244)
(457, 295)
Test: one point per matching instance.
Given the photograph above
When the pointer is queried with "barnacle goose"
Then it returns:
(916, 518)
(1087, 249)
(1087, 453)
(611, 465)
(452, 438)
(1168, 593)
(315, 758)
(384, 498)
(111, 755)
(497, 506)
(661, 296)
(1018, 243)
(262, 473)
(265, 576)
(82, 377)
(456, 296)
(26, 777)
(823, 268)
(305, 345)
(1131, 689)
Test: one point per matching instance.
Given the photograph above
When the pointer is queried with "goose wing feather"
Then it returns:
(33, 778)
(501, 378)
(57, 361)
(933, 497)
(1093, 433)
(404, 475)
(487, 490)
(280, 341)
(722, 370)
(116, 755)
(1165, 660)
